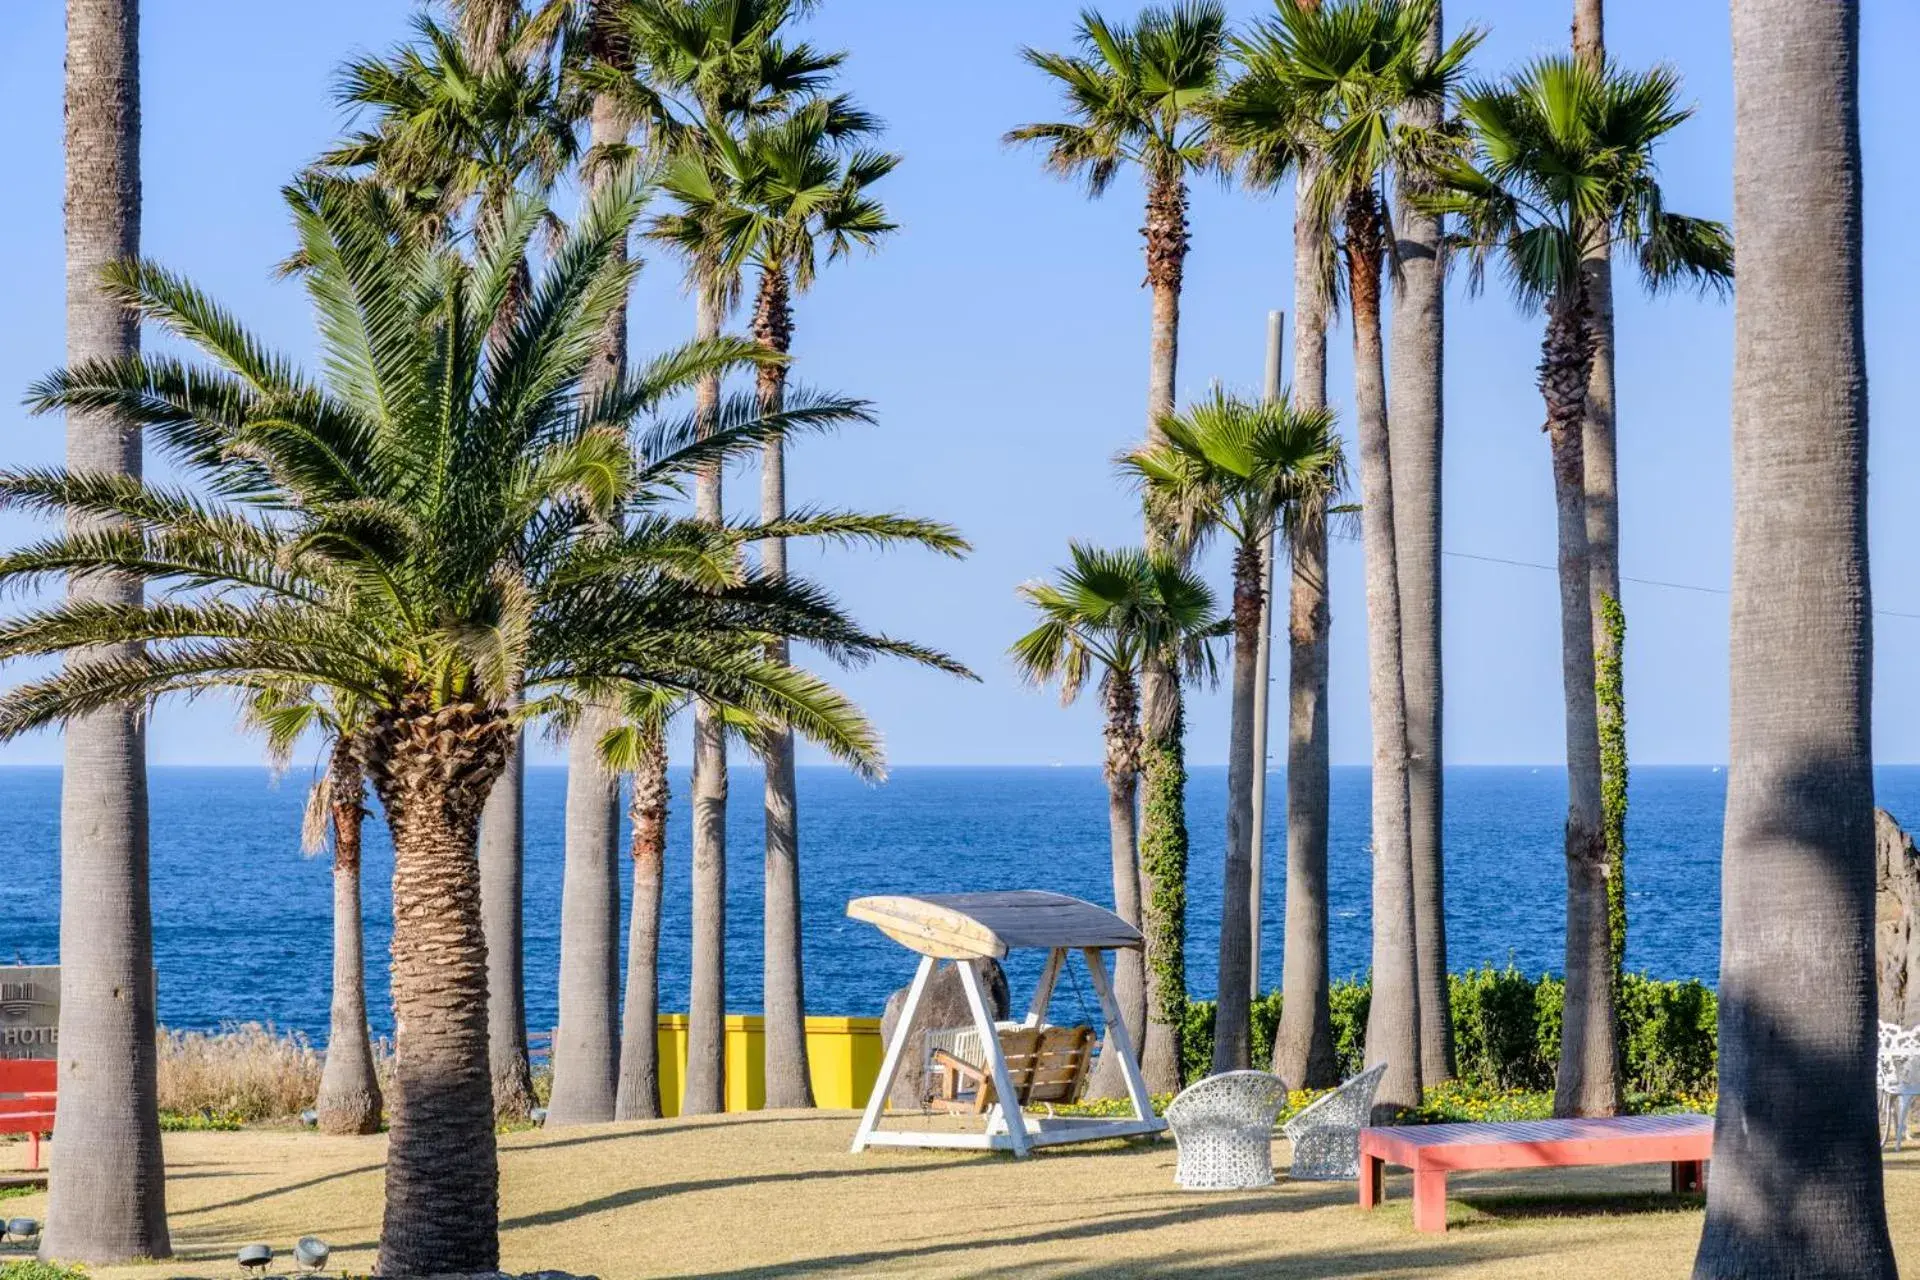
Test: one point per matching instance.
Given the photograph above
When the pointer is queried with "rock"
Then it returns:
(944, 1005)
(1896, 940)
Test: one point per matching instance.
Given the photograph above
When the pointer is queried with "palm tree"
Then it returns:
(1416, 410)
(1797, 1185)
(1342, 87)
(1563, 165)
(1236, 467)
(1104, 614)
(637, 747)
(1599, 451)
(796, 188)
(460, 119)
(435, 529)
(701, 67)
(109, 1201)
(1139, 94)
(349, 1099)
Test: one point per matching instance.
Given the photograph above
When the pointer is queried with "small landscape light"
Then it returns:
(255, 1257)
(310, 1118)
(538, 1115)
(22, 1229)
(311, 1252)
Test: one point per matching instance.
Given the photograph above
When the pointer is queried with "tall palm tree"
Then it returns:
(108, 1203)
(1564, 162)
(1343, 86)
(1236, 467)
(456, 122)
(1103, 615)
(637, 747)
(349, 1098)
(435, 529)
(798, 185)
(1138, 94)
(1797, 1186)
(1599, 447)
(703, 66)
(1416, 409)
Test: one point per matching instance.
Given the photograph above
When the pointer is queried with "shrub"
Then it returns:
(34, 1269)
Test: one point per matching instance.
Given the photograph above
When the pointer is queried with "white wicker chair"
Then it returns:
(1224, 1128)
(1898, 1079)
(1326, 1135)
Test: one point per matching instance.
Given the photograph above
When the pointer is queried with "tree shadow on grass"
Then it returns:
(1521, 1206)
(281, 1190)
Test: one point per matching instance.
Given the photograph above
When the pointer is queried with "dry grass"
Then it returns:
(776, 1194)
(246, 1072)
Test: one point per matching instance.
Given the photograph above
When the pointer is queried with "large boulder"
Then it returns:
(1896, 941)
(944, 1005)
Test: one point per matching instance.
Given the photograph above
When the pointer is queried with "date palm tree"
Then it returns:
(1348, 87)
(108, 1203)
(435, 528)
(456, 122)
(349, 1099)
(1563, 164)
(1237, 467)
(1797, 1184)
(1101, 616)
(1138, 94)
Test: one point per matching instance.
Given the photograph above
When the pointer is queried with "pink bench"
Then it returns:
(1435, 1150)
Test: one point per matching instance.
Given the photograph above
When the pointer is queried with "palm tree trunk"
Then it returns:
(432, 771)
(1589, 1081)
(1232, 1028)
(788, 1079)
(1393, 1019)
(1163, 847)
(1123, 790)
(1303, 1046)
(585, 1050)
(1602, 480)
(349, 1098)
(706, 1077)
(1417, 414)
(1797, 1185)
(502, 881)
(1163, 871)
(108, 1200)
(585, 1047)
(639, 1095)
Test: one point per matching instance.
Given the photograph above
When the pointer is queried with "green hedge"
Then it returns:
(1506, 1031)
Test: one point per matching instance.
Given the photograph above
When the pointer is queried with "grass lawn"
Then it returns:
(777, 1194)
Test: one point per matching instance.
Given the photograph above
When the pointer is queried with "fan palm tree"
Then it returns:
(1103, 615)
(1239, 468)
(1797, 1186)
(791, 187)
(349, 1098)
(436, 529)
(108, 1203)
(1347, 87)
(1564, 163)
(1138, 94)
(458, 121)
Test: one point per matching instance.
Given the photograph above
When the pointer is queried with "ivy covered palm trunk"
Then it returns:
(1163, 867)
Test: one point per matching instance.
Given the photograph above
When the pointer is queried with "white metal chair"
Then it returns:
(1224, 1128)
(1326, 1135)
(1897, 1078)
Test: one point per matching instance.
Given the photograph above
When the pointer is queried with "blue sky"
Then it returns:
(1003, 338)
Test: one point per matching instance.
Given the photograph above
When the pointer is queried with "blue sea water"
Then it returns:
(242, 931)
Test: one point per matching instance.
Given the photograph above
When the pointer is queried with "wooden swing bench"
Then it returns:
(1044, 1065)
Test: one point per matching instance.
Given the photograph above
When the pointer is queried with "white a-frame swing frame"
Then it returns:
(966, 929)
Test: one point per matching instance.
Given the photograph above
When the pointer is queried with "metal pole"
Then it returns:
(1276, 326)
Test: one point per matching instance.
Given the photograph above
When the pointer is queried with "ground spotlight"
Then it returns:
(255, 1257)
(310, 1117)
(538, 1115)
(311, 1252)
(20, 1229)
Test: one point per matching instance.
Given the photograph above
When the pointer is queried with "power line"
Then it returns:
(1643, 582)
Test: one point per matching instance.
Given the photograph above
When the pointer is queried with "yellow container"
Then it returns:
(843, 1060)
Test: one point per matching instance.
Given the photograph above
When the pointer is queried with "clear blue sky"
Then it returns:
(1003, 336)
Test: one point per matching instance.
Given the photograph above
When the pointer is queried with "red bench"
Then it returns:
(26, 1098)
(1433, 1151)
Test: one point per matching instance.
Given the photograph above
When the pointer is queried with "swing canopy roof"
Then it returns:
(973, 926)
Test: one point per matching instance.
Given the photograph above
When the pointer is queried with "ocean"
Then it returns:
(242, 929)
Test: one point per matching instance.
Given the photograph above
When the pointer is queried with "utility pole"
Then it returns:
(1276, 326)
